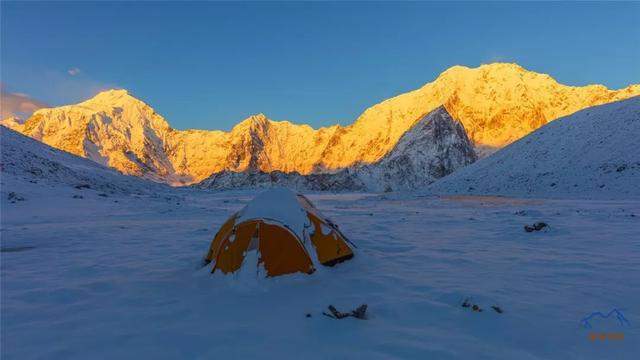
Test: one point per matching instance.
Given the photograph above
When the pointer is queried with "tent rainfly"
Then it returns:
(285, 229)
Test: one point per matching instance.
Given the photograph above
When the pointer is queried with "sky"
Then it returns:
(209, 65)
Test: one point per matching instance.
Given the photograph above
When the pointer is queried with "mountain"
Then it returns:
(12, 122)
(255, 144)
(436, 146)
(343, 180)
(590, 154)
(27, 163)
(113, 129)
(496, 103)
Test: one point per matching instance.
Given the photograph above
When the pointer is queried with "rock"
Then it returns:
(535, 227)
(14, 197)
(360, 312)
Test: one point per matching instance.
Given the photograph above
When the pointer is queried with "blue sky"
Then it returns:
(210, 65)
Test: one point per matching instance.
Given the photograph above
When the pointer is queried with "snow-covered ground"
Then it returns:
(117, 277)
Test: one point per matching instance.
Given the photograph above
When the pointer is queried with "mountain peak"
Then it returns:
(113, 97)
(111, 93)
(259, 119)
(440, 110)
(502, 66)
(491, 68)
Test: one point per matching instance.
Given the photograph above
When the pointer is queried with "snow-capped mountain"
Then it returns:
(113, 129)
(12, 122)
(590, 154)
(497, 104)
(436, 146)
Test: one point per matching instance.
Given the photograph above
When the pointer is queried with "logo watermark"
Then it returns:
(616, 314)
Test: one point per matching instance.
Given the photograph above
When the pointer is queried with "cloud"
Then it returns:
(17, 104)
(494, 57)
(73, 71)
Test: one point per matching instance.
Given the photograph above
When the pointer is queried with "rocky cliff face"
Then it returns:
(496, 104)
(435, 147)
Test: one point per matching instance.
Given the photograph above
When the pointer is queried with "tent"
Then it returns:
(283, 232)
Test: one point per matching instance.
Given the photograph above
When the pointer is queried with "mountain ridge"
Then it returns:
(496, 103)
(434, 147)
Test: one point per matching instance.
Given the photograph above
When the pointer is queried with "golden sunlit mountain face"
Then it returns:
(497, 104)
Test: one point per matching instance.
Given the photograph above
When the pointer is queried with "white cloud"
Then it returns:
(73, 71)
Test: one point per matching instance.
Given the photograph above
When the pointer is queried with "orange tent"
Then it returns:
(283, 232)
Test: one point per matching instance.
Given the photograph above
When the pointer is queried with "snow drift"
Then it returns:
(590, 154)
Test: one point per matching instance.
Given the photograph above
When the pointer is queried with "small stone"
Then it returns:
(13, 197)
(535, 227)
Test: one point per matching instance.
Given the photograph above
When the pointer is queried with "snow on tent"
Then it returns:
(280, 232)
